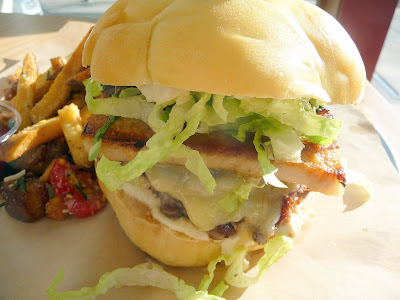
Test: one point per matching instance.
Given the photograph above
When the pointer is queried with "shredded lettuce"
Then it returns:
(135, 107)
(280, 136)
(284, 140)
(129, 92)
(320, 140)
(152, 274)
(215, 114)
(212, 266)
(233, 199)
(294, 114)
(146, 274)
(235, 275)
(195, 164)
(267, 167)
(273, 251)
(161, 94)
(93, 88)
(217, 103)
(155, 121)
(182, 123)
(286, 145)
(95, 150)
(129, 104)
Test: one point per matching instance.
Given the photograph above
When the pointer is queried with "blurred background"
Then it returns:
(373, 24)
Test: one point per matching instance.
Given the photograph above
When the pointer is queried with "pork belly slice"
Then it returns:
(320, 168)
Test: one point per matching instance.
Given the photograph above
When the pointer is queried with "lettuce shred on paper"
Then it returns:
(152, 274)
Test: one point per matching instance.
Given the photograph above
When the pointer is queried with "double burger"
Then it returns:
(210, 126)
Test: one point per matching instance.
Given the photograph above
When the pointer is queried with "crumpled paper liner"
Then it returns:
(348, 250)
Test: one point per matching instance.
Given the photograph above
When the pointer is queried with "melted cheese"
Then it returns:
(260, 212)
(262, 207)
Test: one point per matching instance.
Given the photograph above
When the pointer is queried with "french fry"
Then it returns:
(76, 81)
(29, 138)
(85, 115)
(24, 100)
(45, 81)
(59, 91)
(58, 62)
(55, 73)
(81, 76)
(71, 124)
(42, 86)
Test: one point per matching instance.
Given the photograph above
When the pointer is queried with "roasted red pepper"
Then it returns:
(81, 193)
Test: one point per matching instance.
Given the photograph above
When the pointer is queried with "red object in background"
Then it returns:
(367, 22)
(3, 129)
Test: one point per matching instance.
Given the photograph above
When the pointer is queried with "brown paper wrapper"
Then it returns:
(348, 250)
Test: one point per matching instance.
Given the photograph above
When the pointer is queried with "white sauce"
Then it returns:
(147, 197)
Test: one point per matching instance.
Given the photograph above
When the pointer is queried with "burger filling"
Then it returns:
(277, 129)
(206, 164)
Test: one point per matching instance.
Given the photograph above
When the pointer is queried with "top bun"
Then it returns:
(282, 49)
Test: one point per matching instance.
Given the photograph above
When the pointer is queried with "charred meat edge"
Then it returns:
(289, 203)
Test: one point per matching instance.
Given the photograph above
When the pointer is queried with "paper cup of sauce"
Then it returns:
(10, 120)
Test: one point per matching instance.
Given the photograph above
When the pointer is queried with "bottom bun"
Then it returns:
(166, 245)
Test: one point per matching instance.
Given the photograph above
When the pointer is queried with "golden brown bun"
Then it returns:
(283, 49)
(168, 246)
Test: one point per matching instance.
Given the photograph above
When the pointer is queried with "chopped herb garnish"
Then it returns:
(78, 187)
(48, 74)
(2, 204)
(21, 183)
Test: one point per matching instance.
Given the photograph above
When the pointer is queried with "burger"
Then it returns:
(210, 126)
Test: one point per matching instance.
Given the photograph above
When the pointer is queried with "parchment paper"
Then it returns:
(346, 251)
